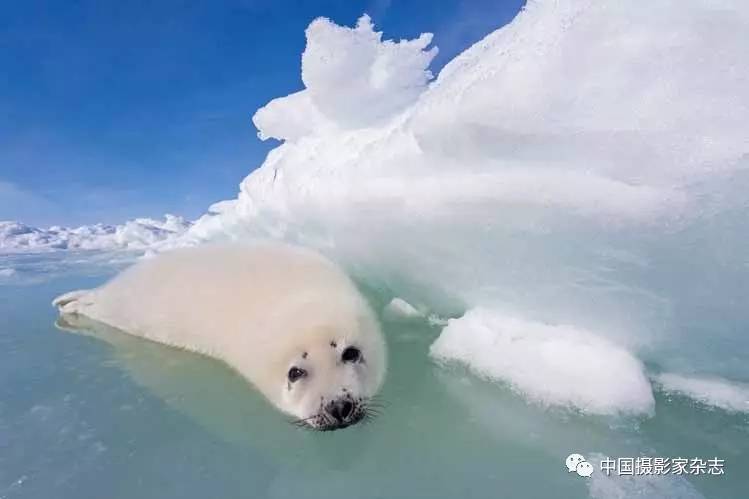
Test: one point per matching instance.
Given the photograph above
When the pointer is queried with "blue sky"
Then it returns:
(111, 110)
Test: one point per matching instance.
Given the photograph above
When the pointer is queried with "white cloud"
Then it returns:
(17, 203)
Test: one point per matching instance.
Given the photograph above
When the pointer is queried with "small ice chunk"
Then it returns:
(555, 365)
(713, 391)
(400, 309)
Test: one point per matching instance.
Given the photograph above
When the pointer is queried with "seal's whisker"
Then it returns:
(307, 418)
(377, 402)
(302, 422)
(367, 419)
(305, 427)
(371, 414)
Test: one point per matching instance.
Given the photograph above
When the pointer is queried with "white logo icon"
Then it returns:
(584, 469)
(578, 464)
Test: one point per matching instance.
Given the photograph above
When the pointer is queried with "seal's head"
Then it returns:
(329, 382)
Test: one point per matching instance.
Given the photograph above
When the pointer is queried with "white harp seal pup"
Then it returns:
(287, 319)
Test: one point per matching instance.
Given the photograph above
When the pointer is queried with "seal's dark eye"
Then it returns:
(351, 354)
(296, 373)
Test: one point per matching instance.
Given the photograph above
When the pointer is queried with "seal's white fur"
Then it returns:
(262, 309)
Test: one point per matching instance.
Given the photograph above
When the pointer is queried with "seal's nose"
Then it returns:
(340, 409)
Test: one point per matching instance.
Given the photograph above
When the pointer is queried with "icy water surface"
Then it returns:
(117, 417)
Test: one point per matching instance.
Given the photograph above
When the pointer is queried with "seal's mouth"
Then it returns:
(339, 414)
(326, 424)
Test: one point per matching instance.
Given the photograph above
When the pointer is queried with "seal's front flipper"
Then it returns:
(68, 302)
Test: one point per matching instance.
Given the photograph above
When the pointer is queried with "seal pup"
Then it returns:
(287, 319)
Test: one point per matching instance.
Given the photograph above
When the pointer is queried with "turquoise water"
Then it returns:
(107, 415)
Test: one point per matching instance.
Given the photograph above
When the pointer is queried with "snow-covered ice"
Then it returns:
(581, 166)
(554, 365)
(712, 391)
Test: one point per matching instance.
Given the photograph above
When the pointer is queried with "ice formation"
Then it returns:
(352, 79)
(554, 365)
(138, 234)
(585, 165)
(400, 309)
(712, 391)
